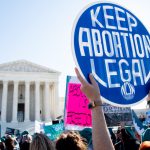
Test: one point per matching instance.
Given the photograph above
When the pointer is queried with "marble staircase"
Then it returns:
(22, 126)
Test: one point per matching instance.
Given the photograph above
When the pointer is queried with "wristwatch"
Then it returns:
(94, 104)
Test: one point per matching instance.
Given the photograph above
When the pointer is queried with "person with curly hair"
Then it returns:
(71, 140)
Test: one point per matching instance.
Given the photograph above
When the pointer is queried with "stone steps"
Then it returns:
(22, 126)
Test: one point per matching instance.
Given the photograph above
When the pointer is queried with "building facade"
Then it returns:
(28, 92)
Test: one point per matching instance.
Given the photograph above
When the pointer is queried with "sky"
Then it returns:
(40, 31)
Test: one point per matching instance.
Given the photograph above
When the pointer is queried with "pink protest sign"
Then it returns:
(77, 112)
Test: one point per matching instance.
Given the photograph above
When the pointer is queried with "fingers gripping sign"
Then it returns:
(90, 90)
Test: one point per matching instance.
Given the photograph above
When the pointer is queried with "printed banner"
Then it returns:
(116, 115)
(112, 43)
(114, 109)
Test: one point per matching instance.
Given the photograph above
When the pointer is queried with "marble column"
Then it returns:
(51, 102)
(37, 101)
(55, 99)
(15, 102)
(4, 101)
(27, 101)
(47, 102)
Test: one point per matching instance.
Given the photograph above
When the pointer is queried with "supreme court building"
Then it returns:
(28, 92)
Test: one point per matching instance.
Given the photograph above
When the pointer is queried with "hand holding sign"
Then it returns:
(90, 90)
(99, 129)
(112, 43)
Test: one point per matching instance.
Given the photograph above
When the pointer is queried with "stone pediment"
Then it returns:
(24, 66)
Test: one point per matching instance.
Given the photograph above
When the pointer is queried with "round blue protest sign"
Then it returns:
(112, 43)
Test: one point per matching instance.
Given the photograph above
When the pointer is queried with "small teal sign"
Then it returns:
(53, 131)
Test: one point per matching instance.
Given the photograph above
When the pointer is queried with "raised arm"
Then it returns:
(100, 135)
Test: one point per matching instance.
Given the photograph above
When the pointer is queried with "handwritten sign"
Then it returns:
(77, 112)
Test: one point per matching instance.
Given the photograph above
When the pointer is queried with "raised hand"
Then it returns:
(90, 90)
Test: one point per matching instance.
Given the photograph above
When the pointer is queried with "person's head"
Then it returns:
(2, 146)
(71, 141)
(25, 146)
(118, 135)
(125, 136)
(9, 142)
(41, 142)
(145, 145)
(27, 138)
(26, 141)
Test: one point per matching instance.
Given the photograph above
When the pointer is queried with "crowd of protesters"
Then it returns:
(102, 138)
(122, 139)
